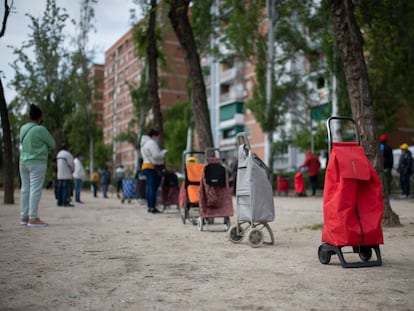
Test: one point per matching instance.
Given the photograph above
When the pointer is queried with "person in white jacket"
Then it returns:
(79, 175)
(153, 158)
(65, 168)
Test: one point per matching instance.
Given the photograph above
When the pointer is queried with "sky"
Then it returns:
(112, 20)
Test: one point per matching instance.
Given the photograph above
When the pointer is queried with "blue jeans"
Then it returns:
(405, 184)
(78, 188)
(63, 192)
(94, 189)
(153, 182)
(105, 190)
(32, 177)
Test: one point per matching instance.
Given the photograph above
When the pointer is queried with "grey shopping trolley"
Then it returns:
(254, 198)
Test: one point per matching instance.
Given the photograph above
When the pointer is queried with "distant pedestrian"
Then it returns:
(405, 170)
(313, 165)
(36, 141)
(65, 169)
(152, 157)
(79, 175)
(105, 182)
(388, 161)
(119, 175)
(94, 183)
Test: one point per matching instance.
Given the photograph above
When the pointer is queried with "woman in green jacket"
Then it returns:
(35, 142)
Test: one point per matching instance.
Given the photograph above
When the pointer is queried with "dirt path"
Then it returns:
(104, 255)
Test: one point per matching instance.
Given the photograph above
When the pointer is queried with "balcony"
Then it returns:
(228, 75)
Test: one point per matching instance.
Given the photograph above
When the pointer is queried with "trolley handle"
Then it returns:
(190, 153)
(243, 140)
(212, 151)
(340, 118)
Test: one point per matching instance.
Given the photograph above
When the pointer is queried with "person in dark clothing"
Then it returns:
(120, 175)
(405, 169)
(388, 161)
(105, 182)
(313, 165)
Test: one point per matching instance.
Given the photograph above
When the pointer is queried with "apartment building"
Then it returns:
(122, 66)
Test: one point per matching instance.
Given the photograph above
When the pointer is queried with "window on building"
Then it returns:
(224, 89)
(227, 112)
(232, 131)
(320, 83)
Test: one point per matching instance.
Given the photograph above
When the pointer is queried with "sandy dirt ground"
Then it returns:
(105, 255)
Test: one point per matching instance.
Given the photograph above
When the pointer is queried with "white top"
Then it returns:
(65, 165)
(79, 171)
(151, 152)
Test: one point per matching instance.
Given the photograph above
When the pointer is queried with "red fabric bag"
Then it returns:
(353, 203)
(299, 183)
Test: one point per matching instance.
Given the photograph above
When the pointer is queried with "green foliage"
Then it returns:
(302, 138)
(388, 28)
(44, 80)
(139, 35)
(241, 20)
(287, 89)
(102, 154)
(203, 24)
(178, 120)
(57, 79)
(81, 123)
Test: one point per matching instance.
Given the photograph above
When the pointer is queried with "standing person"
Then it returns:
(65, 169)
(152, 156)
(313, 165)
(119, 175)
(35, 142)
(79, 175)
(105, 182)
(388, 161)
(94, 183)
(405, 169)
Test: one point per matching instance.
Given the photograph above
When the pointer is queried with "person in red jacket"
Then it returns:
(313, 165)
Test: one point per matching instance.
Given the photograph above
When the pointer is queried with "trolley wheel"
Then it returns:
(227, 223)
(183, 215)
(324, 255)
(233, 236)
(365, 253)
(255, 237)
(122, 201)
(200, 223)
(193, 220)
(272, 239)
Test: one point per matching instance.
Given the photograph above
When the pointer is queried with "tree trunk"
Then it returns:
(8, 150)
(152, 56)
(182, 27)
(349, 42)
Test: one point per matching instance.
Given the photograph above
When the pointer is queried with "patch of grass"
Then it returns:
(313, 227)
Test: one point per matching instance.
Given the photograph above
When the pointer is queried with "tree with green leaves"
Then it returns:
(44, 79)
(152, 59)
(388, 28)
(81, 123)
(178, 119)
(349, 41)
(178, 14)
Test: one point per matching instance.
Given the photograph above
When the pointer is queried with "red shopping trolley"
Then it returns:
(353, 203)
